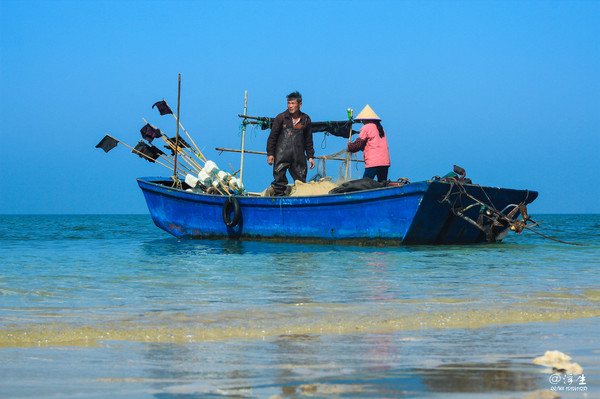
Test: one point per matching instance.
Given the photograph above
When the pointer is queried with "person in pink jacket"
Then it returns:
(373, 143)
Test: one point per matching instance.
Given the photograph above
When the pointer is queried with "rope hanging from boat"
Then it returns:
(557, 240)
(490, 217)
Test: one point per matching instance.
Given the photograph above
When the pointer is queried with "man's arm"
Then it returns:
(309, 147)
(272, 139)
(308, 139)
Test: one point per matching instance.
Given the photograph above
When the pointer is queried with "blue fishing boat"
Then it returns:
(437, 211)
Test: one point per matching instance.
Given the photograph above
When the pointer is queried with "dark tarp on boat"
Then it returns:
(365, 183)
(336, 128)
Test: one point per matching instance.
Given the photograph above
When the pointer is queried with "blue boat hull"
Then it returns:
(409, 214)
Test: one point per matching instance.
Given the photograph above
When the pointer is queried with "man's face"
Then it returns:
(294, 106)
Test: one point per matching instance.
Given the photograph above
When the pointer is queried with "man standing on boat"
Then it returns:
(290, 144)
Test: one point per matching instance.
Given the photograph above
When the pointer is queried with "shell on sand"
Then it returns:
(559, 362)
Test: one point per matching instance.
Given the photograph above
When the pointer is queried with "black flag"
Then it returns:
(182, 144)
(150, 151)
(107, 143)
(163, 107)
(149, 133)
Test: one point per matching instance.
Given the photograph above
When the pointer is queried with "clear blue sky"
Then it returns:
(509, 90)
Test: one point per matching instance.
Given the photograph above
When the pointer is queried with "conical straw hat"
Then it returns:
(367, 114)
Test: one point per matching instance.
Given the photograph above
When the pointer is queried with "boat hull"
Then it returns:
(411, 214)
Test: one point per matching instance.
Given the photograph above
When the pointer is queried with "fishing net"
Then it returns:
(330, 170)
(319, 183)
(340, 163)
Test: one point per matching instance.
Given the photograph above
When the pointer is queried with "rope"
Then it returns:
(555, 239)
(337, 154)
(316, 177)
(491, 200)
(253, 129)
(492, 216)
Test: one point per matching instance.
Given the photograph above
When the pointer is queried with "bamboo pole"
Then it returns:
(184, 155)
(181, 165)
(264, 153)
(170, 160)
(233, 171)
(258, 118)
(350, 115)
(141, 153)
(197, 168)
(189, 159)
(177, 132)
(243, 138)
(194, 165)
(199, 153)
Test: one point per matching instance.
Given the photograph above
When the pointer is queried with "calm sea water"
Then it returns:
(111, 306)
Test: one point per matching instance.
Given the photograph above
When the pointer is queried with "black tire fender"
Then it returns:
(229, 202)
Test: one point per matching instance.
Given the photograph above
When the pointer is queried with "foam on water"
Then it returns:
(253, 324)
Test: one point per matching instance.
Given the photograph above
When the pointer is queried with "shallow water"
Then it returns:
(97, 306)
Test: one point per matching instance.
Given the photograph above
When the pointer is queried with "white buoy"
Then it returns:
(224, 176)
(204, 178)
(211, 168)
(191, 180)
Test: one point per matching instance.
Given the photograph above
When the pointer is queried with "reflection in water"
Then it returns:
(480, 377)
(379, 279)
(294, 355)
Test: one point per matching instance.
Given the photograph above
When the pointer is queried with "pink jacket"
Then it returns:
(375, 152)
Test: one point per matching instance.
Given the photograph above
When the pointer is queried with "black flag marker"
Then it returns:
(107, 143)
(149, 133)
(182, 144)
(163, 107)
(150, 151)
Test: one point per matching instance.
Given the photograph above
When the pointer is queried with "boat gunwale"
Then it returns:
(322, 199)
(424, 186)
